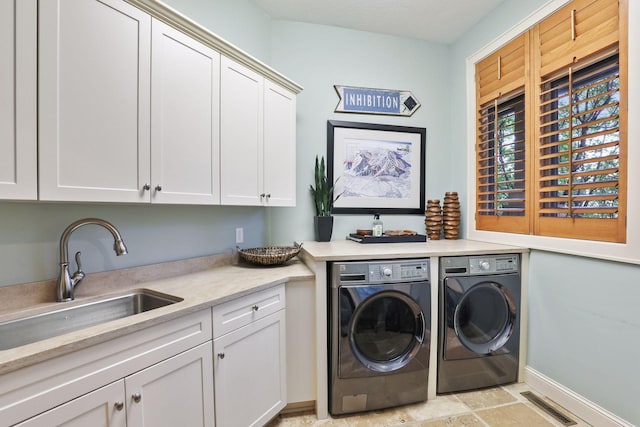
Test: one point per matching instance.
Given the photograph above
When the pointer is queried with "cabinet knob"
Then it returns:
(137, 397)
(262, 196)
(146, 187)
(268, 195)
(221, 355)
(158, 187)
(255, 308)
(119, 405)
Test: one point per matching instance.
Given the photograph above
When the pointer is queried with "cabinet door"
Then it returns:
(94, 83)
(185, 119)
(249, 372)
(103, 407)
(18, 162)
(176, 392)
(279, 145)
(241, 134)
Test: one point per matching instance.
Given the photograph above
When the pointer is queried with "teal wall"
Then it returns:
(584, 331)
(240, 22)
(30, 232)
(318, 57)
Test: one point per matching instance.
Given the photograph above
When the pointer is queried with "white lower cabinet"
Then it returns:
(174, 392)
(250, 362)
(158, 376)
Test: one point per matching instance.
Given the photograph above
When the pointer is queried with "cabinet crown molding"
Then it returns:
(172, 17)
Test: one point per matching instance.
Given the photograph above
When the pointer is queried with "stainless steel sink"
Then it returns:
(26, 330)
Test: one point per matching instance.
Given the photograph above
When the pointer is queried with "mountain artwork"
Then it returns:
(377, 169)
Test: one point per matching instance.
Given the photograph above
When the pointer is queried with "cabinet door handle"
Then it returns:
(268, 195)
(221, 355)
(119, 405)
(158, 187)
(137, 397)
(255, 308)
(146, 187)
(262, 196)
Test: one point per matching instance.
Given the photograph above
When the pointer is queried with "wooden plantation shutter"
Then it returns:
(580, 156)
(581, 162)
(551, 120)
(501, 156)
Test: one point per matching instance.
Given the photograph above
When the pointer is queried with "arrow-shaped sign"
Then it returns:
(375, 101)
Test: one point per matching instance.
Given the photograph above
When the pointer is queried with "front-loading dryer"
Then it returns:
(479, 321)
(379, 334)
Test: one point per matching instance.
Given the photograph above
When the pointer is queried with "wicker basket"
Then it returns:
(270, 255)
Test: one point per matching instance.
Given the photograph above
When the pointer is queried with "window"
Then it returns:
(551, 154)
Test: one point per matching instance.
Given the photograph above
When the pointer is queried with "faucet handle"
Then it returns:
(79, 262)
(79, 274)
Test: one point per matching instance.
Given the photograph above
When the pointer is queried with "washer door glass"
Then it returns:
(484, 318)
(386, 331)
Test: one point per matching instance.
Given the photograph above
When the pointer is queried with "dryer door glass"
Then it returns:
(387, 331)
(484, 318)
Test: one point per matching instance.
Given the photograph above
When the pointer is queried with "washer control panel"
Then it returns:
(493, 264)
(391, 271)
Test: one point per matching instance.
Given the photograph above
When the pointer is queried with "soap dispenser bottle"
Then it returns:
(377, 226)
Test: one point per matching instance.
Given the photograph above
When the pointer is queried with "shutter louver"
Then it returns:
(576, 31)
(501, 72)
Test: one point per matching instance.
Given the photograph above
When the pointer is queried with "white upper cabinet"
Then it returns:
(241, 134)
(185, 119)
(18, 158)
(106, 101)
(279, 145)
(257, 143)
(94, 110)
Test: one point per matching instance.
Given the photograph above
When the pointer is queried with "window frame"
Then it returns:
(624, 252)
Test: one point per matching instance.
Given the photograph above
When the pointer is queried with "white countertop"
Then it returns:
(198, 290)
(349, 250)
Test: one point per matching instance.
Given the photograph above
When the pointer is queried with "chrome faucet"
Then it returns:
(67, 283)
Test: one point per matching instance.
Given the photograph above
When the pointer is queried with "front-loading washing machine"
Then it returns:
(479, 321)
(379, 334)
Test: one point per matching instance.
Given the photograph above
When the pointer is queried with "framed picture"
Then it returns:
(376, 168)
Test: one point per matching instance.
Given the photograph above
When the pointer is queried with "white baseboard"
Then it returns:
(572, 401)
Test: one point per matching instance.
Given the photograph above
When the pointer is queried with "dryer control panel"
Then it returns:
(478, 265)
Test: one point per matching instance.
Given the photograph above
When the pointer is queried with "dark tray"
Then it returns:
(387, 239)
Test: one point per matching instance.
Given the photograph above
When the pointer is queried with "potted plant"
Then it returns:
(323, 200)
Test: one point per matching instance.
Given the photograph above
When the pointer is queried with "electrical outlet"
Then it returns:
(239, 235)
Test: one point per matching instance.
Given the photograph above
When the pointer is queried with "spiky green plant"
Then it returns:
(323, 192)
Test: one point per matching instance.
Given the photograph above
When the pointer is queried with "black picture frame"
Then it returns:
(384, 179)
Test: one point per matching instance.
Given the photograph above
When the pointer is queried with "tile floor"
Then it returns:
(496, 407)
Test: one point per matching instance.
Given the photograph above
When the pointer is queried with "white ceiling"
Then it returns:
(441, 21)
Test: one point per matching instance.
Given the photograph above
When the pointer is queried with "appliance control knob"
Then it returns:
(484, 265)
(386, 272)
